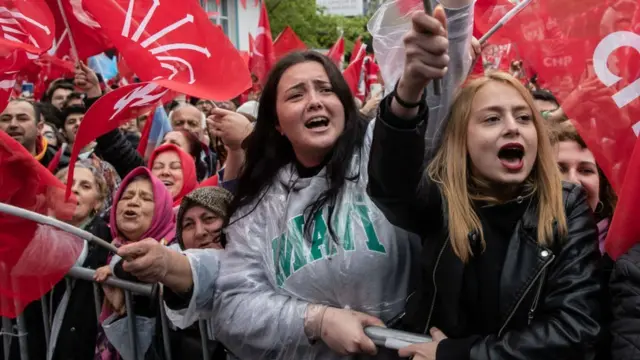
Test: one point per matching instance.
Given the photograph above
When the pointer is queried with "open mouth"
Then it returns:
(167, 183)
(511, 155)
(317, 122)
(129, 214)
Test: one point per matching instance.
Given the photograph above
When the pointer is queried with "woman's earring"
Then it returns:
(599, 207)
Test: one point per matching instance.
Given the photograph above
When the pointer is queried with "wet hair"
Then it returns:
(267, 151)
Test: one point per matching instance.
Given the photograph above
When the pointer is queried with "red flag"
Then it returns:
(407, 6)
(27, 30)
(589, 65)
(264, 56)
(144, 136)
(356, 49)
(7, 85)
(33, 257)
(497, 55)
(624, 231)
(26, 24)
(371, 73)
(88, 37)
(287, 42)
(246, 57)
(168, 42)
(592, 78)
(353, 73)
(336, 53)
(114, 109)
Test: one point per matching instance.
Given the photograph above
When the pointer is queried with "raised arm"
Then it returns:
(397, 156)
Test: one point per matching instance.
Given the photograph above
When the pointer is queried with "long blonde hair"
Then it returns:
(450, 170)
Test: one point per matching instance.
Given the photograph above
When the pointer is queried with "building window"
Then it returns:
(222, 17)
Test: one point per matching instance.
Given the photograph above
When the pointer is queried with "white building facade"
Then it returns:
(236, 21)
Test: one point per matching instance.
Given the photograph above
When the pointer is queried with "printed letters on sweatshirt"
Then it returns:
(291, 252)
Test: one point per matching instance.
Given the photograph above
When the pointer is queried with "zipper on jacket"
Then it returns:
(435, 286)
(506, 322)
(534, 305)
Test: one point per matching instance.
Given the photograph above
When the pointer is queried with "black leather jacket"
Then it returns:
(549, 305)
(625, 303)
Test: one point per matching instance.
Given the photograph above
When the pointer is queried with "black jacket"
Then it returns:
(79, 329)
(625, 303)
(561, 324)
(49, 154)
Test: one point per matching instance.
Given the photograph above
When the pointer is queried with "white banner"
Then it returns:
(342, 7)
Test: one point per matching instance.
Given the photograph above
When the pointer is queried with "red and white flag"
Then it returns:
(33, 257)
(263, 57)
(592, 67)
(175, 44)
(336, 53)
(88, 37)
(112, 110)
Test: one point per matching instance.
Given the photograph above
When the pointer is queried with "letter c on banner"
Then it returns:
(605, 48)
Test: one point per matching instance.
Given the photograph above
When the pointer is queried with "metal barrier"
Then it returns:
(129, 288)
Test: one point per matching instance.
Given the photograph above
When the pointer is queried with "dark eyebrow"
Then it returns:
(500, 108)
(301, 85)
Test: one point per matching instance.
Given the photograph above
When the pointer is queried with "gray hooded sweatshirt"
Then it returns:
(269, 273)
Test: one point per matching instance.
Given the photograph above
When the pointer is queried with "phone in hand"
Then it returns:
(27, 87)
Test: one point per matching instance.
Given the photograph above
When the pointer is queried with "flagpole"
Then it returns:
(437, 83)
(45, 220)
(74, 49)
(508, 16)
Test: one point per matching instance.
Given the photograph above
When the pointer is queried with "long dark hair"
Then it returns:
(267, 151)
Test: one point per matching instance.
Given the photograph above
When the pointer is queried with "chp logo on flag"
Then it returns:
(607, 47)
(26, 23)
(168, 40)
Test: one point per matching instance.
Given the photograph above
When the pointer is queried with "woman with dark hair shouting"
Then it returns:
(510, 254)
(310, 259)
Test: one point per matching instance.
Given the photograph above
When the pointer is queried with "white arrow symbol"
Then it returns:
(166, 30)
(19, 15)
(180, 46)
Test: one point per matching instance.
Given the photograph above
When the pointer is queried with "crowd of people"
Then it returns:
(290, 222)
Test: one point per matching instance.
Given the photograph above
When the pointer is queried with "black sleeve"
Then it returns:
(397, 184)
(114, 148)
(625, 305)
(177, 301)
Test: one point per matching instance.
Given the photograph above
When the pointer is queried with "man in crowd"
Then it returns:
(21, 120)
(188, 117)
(58, 94)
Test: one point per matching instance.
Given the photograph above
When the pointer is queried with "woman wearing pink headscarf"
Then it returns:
(176, 169)
(142, 209)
